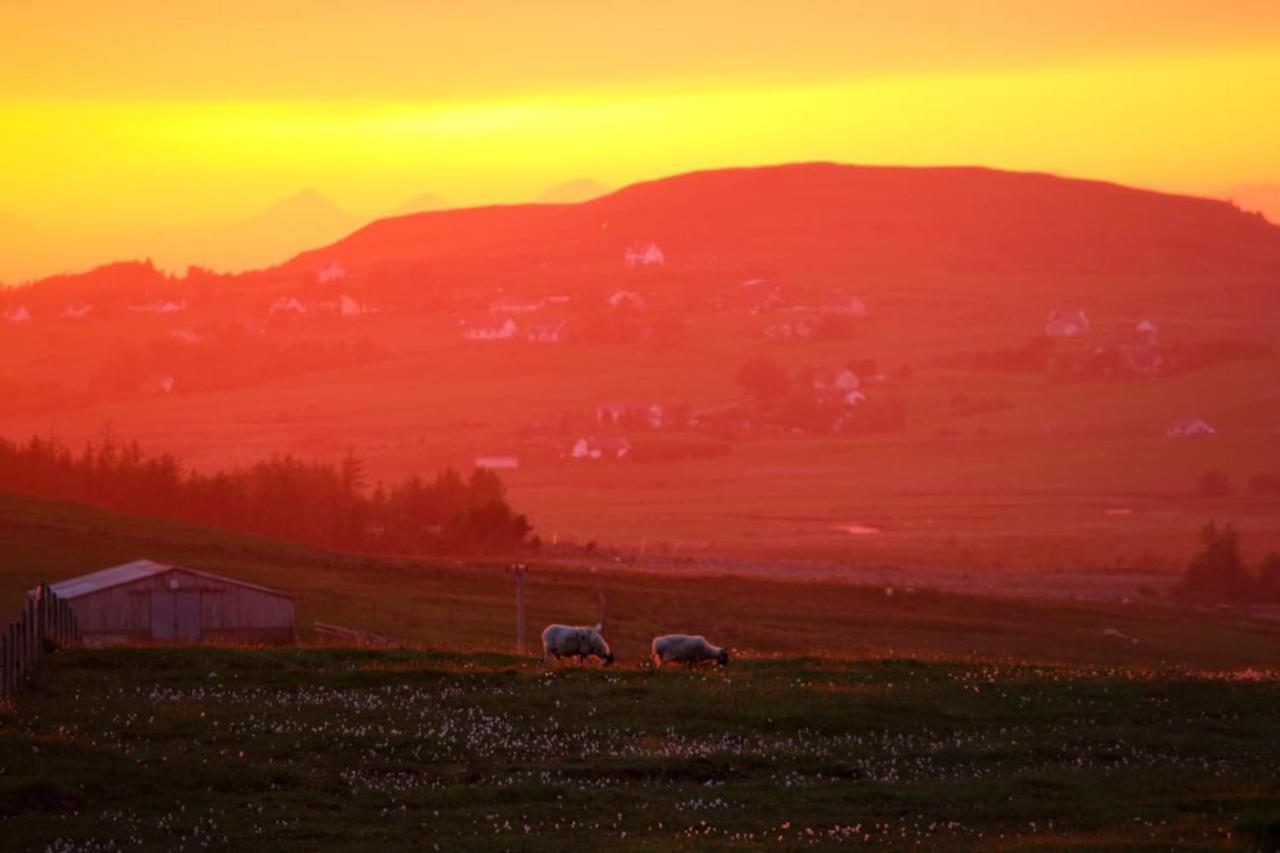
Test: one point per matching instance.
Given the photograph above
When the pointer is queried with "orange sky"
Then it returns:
(134, 128)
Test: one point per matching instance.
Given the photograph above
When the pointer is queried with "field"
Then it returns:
(350, 749)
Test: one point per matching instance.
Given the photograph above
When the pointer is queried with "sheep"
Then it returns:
(567, 641)
(686, 649)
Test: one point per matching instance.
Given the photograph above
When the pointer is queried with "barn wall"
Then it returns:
(229, 611)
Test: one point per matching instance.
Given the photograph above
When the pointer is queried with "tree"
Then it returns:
(1217, 573)
(764, 379)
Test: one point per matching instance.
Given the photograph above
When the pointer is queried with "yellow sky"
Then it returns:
(126, 128)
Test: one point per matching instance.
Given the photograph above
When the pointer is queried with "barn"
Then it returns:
(146, 601)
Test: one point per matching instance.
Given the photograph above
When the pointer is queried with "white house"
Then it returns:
(18, 314)
(799, 329)
(186, 336)
(157, 383)
(640, 255)
(512, 305)
(1189, 427)
(546, 333)
(1066, 324)
(332, 272)
(75, 312)
(600, 448)
(628, 298)
(613, 413)
(848, 307)
(287, 305)
(162, 306)
(490, 329)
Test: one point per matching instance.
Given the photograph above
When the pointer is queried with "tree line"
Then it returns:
(323, 504)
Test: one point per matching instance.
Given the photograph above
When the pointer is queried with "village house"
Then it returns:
(287, 305)
(332, 272)
(490, 329)
(1066, 324)
(850, 306)
(513, 305)
(796, 330)
(760, 295)
(616, 413)
(187, 336)
(546, 333)
(75, 312)
(640, 255)
(1189, 427)
(627, 299)
(162, 306)
(157, 384)
(600, 448)
(18, 314)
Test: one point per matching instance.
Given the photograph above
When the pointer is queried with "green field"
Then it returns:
(303, 749)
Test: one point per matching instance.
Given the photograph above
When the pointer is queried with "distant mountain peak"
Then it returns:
(421, 204)
(570, 192)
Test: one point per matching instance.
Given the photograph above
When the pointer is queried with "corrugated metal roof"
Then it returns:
(137, 570)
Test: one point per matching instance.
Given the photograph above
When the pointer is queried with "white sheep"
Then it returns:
(566, 641)
(686, 649)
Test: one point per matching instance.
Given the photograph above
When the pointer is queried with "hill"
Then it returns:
(847, 218)
(983, 442)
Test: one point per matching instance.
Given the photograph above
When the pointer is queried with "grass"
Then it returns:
(411, 749)
(470, 606)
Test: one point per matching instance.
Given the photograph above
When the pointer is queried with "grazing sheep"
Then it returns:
(687, 650)
(566, 641)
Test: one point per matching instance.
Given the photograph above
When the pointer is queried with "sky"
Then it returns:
(137, 128)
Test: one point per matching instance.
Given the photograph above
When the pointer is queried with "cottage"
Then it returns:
(640, 255)
(332, 272)
(628, 299)
(848, 307)
(146, 601)
(490, 329)
(600, 448)
(75, 312)
(157, 384)
(162, 306)
(18, 314)
(1066, 324)
(1188, 427)
(515, 306)
(287, 305)
(798, 330)
(546, 333)
(187, 336)
(615, 413)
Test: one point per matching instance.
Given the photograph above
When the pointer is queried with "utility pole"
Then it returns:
(519, 570)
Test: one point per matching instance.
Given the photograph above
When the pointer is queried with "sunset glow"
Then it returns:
(141, 125)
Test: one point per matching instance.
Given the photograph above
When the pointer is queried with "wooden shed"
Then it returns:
(146, 601)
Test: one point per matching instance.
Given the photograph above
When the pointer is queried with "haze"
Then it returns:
(156, 130)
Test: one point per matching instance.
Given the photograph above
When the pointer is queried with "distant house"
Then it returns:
(490, 329)
(1188, 427)
(628, 299)
(1148, 328)
(157, 384)
(600, 448)
(332, 272)
(1066, 324)
(795, 330)
(162, 306)
(1142, 358)
(615, 413)
(497, 462)
(515, 306)
(187, 336)
(75, 312)
(760, 295)
(344, 306)
(640, 255)
(287, 305)
(148, 602)
(546, 333)
(848, 307)
(18, 314)
(845, 380)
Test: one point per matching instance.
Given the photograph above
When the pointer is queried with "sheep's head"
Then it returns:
(723, 657)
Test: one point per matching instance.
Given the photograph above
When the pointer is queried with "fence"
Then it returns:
(45, 618)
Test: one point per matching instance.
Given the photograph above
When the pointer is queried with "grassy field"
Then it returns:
(470, 606)
(348, 749)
